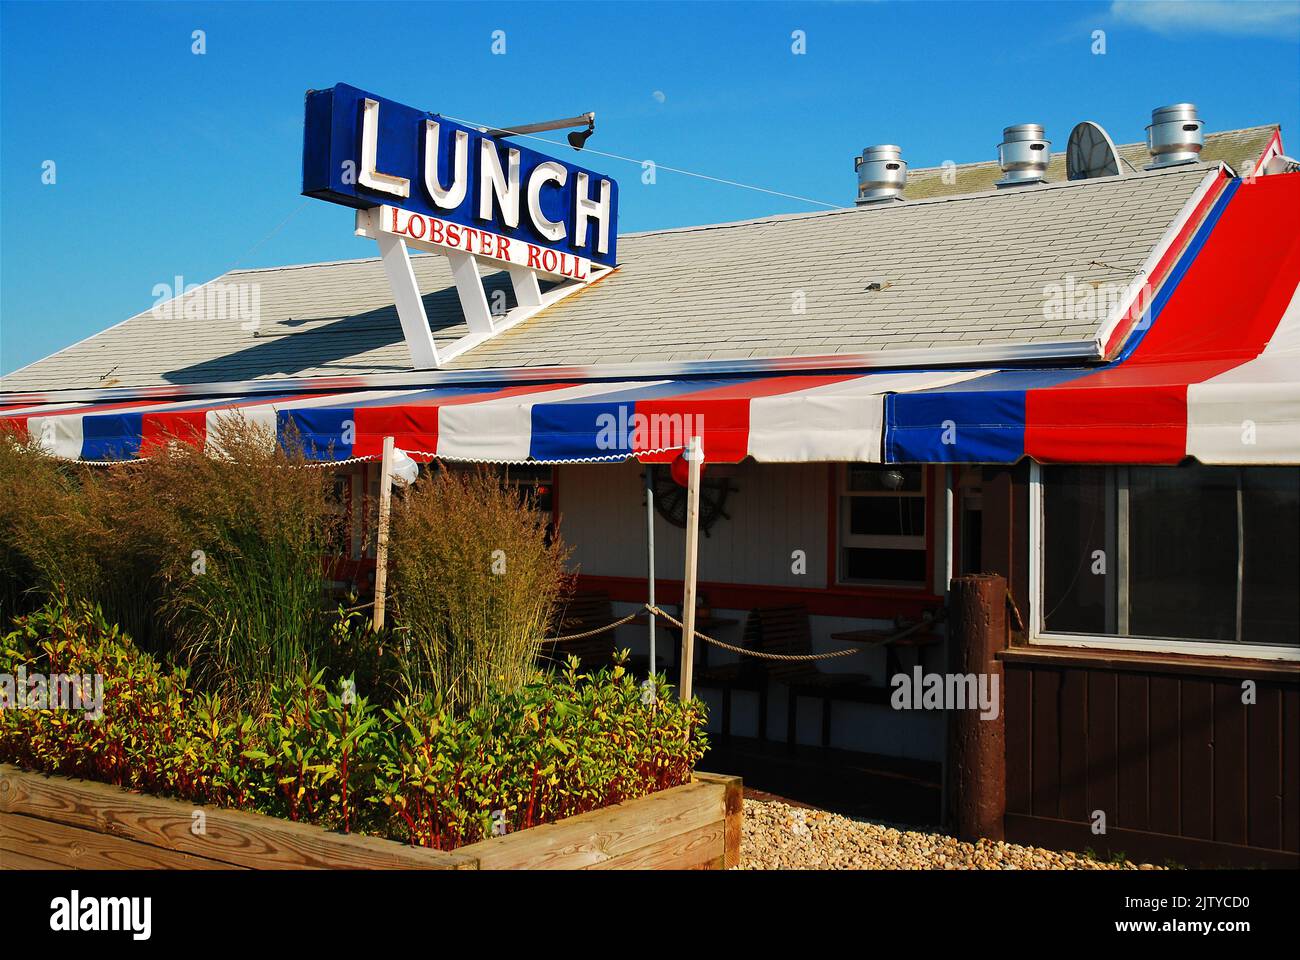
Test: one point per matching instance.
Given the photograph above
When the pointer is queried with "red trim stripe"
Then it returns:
(1222, 314)
(414, 425)
(1160, 272)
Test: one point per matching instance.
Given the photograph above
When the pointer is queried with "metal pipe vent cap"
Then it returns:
(1023, 155)
(1175, 135)
(882, 173)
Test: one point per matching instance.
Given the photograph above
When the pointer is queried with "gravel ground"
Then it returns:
(778, 836)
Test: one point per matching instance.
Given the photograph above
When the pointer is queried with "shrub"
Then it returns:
(76, 529)
(252, 606)
(24, 474)
(475, 584)
(418, 772)
(213, 559)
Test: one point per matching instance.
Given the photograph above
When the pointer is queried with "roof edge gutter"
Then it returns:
(1054, 353)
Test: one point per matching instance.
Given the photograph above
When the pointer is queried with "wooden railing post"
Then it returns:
(977, 795)
(381, 539)
(694, 458)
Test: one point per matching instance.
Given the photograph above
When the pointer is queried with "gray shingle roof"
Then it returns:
(960, 270)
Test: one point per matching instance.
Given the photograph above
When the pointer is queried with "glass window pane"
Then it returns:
(1077, 583)
(877, 565)
(1182, 575)
(1271, 591)
(887, 516)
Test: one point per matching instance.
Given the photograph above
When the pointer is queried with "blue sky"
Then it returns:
(172, 163)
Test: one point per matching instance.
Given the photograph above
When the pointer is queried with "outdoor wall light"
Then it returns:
(405, 470)
(578, 138)
(893, 479)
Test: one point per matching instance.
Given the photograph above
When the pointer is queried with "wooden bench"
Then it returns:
(584, 611)
(786, 630)
(748, 674)
(924, 636)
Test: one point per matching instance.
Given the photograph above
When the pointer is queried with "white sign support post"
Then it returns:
(694, 458)
(381, 539)
(390, 228)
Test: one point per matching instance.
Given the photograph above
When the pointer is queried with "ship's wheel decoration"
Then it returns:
(670, 500)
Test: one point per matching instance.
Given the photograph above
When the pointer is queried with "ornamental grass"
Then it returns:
(476, 580)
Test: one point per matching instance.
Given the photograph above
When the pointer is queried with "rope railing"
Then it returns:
(742, 651)
(784, 657)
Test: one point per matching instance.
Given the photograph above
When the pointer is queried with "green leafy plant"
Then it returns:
(418, 771)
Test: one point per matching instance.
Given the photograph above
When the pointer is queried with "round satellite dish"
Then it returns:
(1090, 153)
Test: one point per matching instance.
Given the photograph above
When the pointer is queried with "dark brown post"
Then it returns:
(977, 768)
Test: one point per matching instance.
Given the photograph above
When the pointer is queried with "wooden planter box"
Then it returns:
(51, 822)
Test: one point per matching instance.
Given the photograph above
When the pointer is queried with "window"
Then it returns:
(1188, 553)
(882, 517)
(535, 483)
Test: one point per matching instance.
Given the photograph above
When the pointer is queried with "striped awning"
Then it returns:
(773, 419)
(1211, 371)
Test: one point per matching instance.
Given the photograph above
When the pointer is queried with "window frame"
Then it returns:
(842, 540)
(1039, 636)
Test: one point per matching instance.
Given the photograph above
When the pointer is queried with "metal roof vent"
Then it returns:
(882, 174)
(1023, 155)
(1175, 136)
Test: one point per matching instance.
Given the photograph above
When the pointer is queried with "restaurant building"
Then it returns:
(1083, 379)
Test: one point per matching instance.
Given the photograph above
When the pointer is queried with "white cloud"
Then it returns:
(1279, 18)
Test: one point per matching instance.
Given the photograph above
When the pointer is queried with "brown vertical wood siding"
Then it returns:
(1162, 744)
(1163, 754)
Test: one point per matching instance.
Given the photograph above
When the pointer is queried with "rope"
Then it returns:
(1015, 611)
(592, 633)
(743, 651)
(787, 657)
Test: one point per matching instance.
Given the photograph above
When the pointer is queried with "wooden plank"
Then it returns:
(1019, 712)
(1196, 726)
(1133, 745)
(601, 835)
(1141, 846)
(13, 860)
(1074, 745)
(734, 810)
(1291, 770)
(1046, 799)
(1103, 763)
(1229, 763)
(1165, 791)
(231, 836)
(1169, 664)
(1264, 769)
(698, 849)
(74, 848)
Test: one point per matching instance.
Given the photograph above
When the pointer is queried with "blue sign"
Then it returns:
(363, 151)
